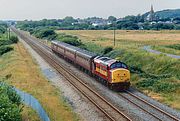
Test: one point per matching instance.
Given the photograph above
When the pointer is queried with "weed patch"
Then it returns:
(175, 46)
(158, 86)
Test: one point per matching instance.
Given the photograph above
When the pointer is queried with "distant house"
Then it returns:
(95, 24)
(100, 22)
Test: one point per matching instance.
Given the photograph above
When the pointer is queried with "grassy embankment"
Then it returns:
(19, 69)
(5, 47)
(156, 75)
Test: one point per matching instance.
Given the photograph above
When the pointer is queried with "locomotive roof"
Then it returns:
(105, 60)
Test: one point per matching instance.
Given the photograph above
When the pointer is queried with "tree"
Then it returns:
(139, 18)
(69, 19)
(3, 28)
(111, 18)
(45, 33)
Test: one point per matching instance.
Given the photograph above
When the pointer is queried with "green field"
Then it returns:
(156, 75)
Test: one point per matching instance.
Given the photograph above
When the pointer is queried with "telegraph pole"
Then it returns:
(9, 33)
(114, 35)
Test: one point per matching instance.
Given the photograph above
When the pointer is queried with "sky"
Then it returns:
(57, 9)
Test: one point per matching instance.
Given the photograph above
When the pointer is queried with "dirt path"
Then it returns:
(148, 48)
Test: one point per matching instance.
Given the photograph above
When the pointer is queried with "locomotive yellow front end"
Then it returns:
(120, 77)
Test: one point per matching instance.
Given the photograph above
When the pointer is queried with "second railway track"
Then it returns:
(147, 107)
(110, 111)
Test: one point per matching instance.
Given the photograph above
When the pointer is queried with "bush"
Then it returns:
(146, 83)
(165, 87)
(10, 92)
(3, 28)
(175, 46)
(115, 53)
(10, 109)
(135, 69)
(160, 86)
(45, 34)
(5, 49)
(107, 50)
(14, 39)
(72, 40)
(5, 42)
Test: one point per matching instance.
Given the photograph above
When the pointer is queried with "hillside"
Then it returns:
(168, 13)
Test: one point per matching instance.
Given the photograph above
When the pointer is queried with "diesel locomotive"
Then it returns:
(112, 73)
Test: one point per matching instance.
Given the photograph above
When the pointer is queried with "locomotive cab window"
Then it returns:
(124, 66)
(118, 65)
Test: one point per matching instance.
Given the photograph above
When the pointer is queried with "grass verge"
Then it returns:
(21, 71)
(29, 115)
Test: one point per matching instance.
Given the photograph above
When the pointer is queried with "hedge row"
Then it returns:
(10, 103)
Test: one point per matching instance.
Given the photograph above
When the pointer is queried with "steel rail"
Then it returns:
(155, 107)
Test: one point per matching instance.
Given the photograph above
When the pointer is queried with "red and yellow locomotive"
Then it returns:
(112, 73)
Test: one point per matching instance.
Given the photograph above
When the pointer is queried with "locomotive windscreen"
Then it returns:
(118, 65)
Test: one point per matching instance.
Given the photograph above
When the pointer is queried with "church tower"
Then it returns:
(152, 10)
(151, 17)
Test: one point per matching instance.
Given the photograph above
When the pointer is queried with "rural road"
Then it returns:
(148, 48)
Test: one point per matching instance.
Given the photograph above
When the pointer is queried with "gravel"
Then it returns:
(80, 105)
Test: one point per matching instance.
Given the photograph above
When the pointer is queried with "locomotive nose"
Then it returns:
(120, 75)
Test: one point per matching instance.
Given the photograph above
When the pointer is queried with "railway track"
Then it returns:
(110, 111)
(149, 108)
(105, 107)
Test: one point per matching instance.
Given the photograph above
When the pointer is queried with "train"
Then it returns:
(112, 73)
